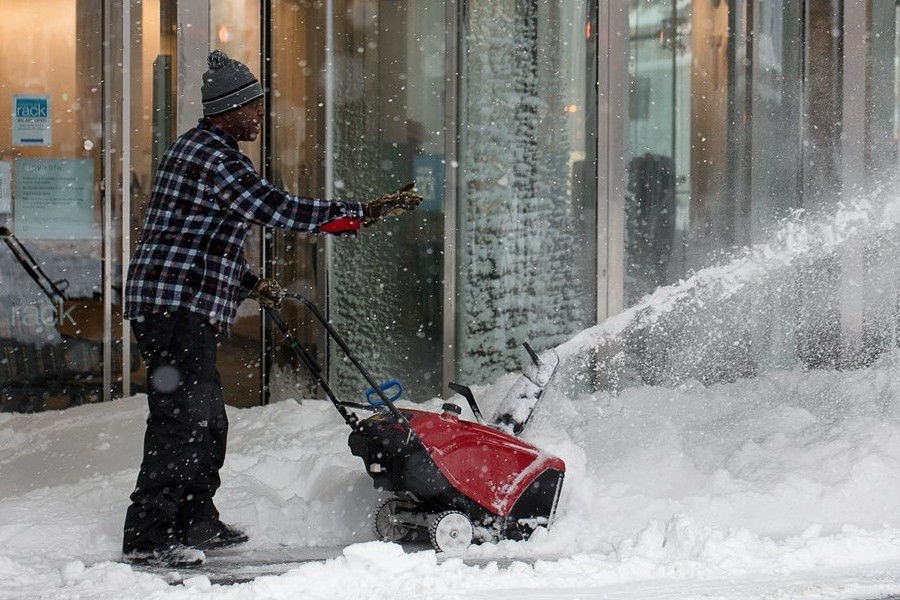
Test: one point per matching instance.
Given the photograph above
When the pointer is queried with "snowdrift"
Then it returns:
(791, 471)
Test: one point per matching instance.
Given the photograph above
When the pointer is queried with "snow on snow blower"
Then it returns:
(460, 481)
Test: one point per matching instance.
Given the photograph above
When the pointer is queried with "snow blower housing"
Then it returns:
(459, 480)
(506, 487)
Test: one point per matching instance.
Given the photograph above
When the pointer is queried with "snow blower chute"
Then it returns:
(460, 481)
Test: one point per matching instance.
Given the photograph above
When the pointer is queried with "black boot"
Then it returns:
(212, 535)
(172, 557)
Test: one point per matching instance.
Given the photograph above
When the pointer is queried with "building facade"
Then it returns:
(574, 156)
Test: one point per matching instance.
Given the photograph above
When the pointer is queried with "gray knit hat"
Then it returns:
(227, 85)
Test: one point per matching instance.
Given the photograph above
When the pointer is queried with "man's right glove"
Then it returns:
(391, 205)
(268, 293)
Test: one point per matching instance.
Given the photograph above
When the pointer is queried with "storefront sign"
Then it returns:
(31, 121)
(54, 198)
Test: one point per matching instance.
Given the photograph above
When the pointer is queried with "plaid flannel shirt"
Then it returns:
(205, 197)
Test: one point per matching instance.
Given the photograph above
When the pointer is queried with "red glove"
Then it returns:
(341, 225)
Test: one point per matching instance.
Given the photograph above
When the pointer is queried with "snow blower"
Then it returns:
(460, 481)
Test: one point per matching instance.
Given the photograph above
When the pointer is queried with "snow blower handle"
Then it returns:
(316, 372)
(311, 365)
(393, 384)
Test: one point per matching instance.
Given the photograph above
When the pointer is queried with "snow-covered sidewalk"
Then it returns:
(787, 486)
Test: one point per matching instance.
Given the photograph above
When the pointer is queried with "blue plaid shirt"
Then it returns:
(205, 197)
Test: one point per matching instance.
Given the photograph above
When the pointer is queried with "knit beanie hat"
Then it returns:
(228, 84)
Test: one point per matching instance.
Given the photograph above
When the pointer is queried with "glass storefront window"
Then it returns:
(358, 111)
(297, 163)
(714, 132)
(51, 94)
(714, 155)
(385, 286)
(235, 28)
(527, 209)
(746, 114)
(658, 145)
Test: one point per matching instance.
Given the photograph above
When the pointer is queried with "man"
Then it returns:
(184, 283)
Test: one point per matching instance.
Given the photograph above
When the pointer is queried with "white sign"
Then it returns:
(31, 121)
(54, 198)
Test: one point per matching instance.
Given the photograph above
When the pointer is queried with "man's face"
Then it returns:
(245, 123)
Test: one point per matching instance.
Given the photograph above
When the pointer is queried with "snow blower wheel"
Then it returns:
(451, 532)
(388, 525)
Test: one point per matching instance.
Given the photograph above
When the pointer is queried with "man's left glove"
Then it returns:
(268, 293)
(391, 205)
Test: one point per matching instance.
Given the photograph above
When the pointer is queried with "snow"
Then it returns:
(785, 484)
(782, 486)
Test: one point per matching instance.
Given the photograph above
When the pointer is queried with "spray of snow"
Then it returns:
(776, 305)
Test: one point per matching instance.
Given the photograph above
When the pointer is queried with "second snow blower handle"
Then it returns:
(393, 384)
(316, 371)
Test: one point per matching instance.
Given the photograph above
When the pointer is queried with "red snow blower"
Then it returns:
(462, 482)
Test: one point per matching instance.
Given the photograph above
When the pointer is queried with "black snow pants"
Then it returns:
(184, 444)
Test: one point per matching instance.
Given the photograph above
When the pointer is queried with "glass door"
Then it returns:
(714, 130)
(168, 45)
(53, 339)
(357, 87)
(657, 201)
(386, 287)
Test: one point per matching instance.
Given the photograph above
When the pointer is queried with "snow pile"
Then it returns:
(778, 475)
